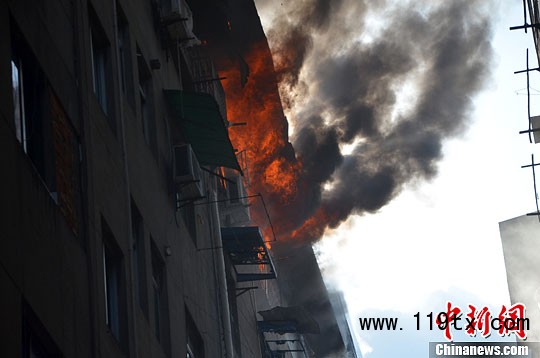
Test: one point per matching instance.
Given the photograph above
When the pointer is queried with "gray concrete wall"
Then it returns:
(58, 271)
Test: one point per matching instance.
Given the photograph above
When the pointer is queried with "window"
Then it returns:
(99, 61)
(18, 101)
(146, 103)
(36, 342)
(139, 260)
(44, 130)
(113, 286)
(125, 57)
(195, 343)
(101, 74)
(31, 110)
(159, 288)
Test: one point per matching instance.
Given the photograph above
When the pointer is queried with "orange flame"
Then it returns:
(265, 137)
(274, 171)
(314, 226)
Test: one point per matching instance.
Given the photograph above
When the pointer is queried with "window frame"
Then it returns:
(146, 102)
(159, 295)
(139, 258)
(114, 286)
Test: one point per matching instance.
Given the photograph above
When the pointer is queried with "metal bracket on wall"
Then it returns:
(245, 289)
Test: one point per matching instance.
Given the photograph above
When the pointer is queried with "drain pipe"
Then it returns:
(221, 276)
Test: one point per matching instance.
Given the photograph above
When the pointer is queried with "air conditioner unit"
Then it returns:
(178, 20)
(187, 172)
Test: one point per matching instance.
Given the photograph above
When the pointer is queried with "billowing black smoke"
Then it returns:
(342, 88)
(341, 76)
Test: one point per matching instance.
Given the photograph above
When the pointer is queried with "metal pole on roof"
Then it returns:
(532, 165)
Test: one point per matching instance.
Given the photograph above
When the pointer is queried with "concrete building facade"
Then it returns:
(126, 228)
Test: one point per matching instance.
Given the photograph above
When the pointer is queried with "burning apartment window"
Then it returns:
(125, 56)
(114, 286)
(101, 74)
(159, 287)
(139, 260)
(146, 102)
(195, 343)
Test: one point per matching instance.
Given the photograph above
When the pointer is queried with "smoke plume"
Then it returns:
(389, 81)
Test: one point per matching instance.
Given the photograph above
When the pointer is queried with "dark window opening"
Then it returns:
(159, 286)
(146, 103)
(44, 130)
(101, 68)
(99, 76)
(36, 342)
(114, 285)
(124, 51)
(195, 343)
(31, 112)
(139, 259)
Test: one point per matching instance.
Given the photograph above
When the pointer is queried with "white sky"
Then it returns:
(440, 241)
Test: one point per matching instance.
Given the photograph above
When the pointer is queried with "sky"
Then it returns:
(438, 240)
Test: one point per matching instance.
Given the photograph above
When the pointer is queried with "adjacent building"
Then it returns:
(521, 250)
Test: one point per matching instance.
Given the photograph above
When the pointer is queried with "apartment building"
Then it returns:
(127, 230)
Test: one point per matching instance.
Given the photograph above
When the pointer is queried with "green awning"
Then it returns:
(204, 127)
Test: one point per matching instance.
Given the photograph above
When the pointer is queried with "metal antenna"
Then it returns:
(525, 25)
(532, 165)
(525, 14)
(527, 70)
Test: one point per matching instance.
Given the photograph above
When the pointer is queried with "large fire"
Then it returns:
(265, 137)
(274, 171)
